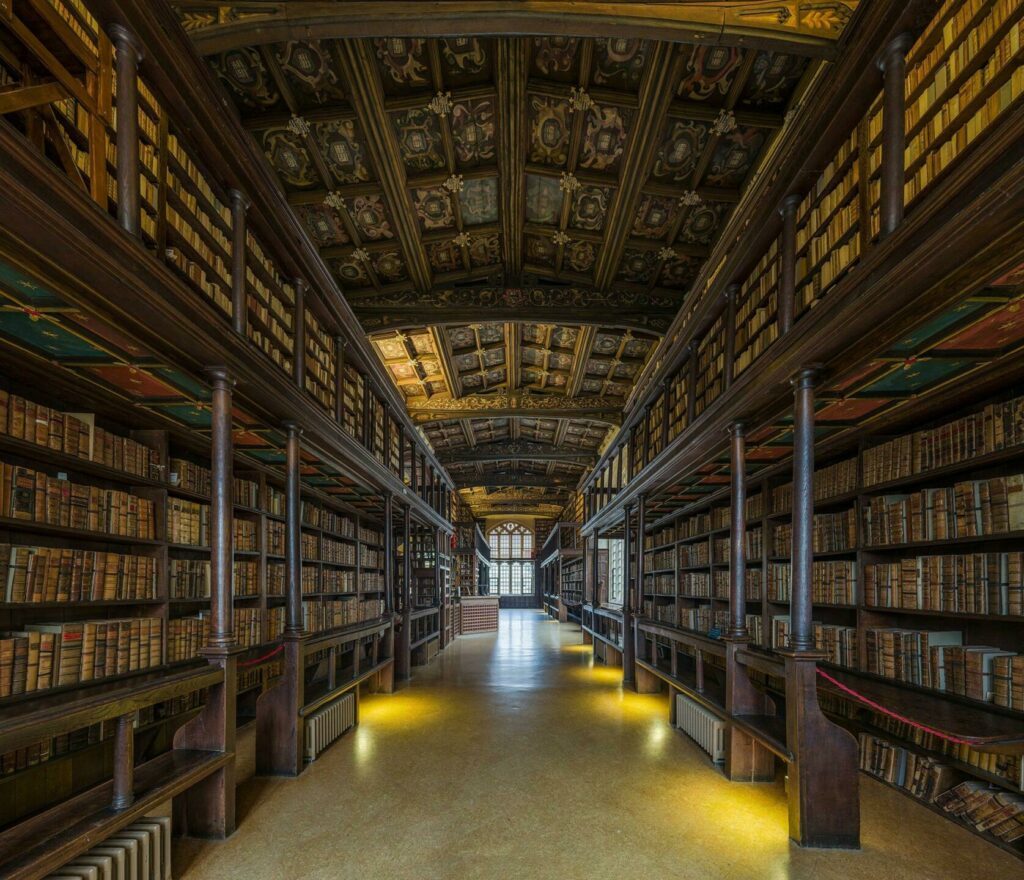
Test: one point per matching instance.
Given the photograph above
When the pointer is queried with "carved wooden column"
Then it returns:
(802, 556)
(222, 555)
(279, 728)
(824, 808)
(299, 355)
(732, 292)
(404, 659)
(738, 534)
(239, 206)
(628, 637)
(893, 64)
(787, 264)
(746, 760)
(293, 531)
(129, 56)
(209, 807)
(124, 763)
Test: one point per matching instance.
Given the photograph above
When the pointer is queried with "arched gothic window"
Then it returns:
(511, 559)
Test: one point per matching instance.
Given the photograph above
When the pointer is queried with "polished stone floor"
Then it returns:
(513, 756)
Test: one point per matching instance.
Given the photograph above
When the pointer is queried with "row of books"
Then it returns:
(698, 553)
(922, 776)
(195, 272)
(839, 643)
(997, 427)
(188, 522)
(829, 482)
(318, 616)
(969, 509)
(935, 659)
(830, 533)
(68, 743)
(338, 552)
(973, 583)
(660, 560)
(53, 574)
(833, 582)
(317, 517)
(191, 578)
(185, 474)
(704, 619)
(757, 310)
(75, 434)
(1008, 767)
(320, 368)
(987, 809)
(34, 496)
(980, 100)
(47, 655)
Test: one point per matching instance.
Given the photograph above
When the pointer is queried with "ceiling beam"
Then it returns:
(515, 405)
(656, 93)
(520, 450)
(505, 480)
(782, 26)
(359, 70)
(511, 58)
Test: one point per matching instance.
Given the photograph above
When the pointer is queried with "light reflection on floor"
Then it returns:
(515, 755)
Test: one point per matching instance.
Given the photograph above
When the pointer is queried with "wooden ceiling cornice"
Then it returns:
(786, 25)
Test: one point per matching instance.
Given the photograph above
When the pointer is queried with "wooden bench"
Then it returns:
(43, 843)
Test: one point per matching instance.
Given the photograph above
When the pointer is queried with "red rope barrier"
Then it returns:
(264, 658)
(941, 734)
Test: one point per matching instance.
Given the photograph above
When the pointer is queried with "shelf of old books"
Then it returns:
(677, 405)
(353, 401)
(320, 367)
(917, 588)
(961, 78)
(757, 310)
(828, 232)
(270, 306)
(710, 365)
(197, 225)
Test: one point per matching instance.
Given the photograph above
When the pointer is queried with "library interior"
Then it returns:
(540, 439)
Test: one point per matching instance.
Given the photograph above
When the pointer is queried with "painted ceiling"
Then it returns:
(512, 215)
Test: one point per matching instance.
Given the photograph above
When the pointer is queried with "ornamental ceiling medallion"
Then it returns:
(515, 221)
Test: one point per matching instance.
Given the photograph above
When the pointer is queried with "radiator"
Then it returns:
(140, 851)
(704, 728)
(325, 725)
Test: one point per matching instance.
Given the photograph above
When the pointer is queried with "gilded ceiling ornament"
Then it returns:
(463, 239)
(361, 254)
(455, 183)
(560, 238)
(690, 199)
(298, 125)
(335, 200)
(441, 104)
(580, 101)
(724, 123)
(666, 253)
(568, 182)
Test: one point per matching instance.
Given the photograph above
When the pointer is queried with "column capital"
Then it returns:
(736, 429)
(293, 428)
(789, 204)
(805, 377)
(239, 200)
(125, 40)
(895, 50)
(220, 375)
